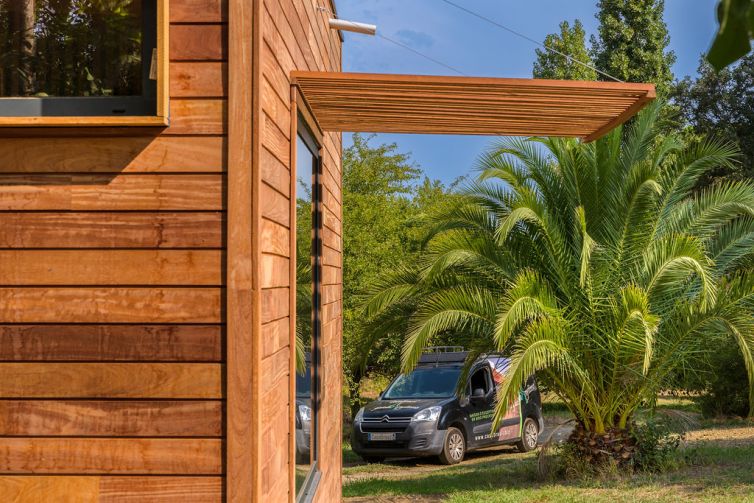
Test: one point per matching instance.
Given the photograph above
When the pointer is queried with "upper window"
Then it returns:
(78, 58)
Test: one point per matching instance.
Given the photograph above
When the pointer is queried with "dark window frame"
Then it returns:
(142, 105)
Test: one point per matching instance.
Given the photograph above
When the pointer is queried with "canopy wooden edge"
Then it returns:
(645, 92)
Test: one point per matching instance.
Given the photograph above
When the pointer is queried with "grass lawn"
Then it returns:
(716, 463)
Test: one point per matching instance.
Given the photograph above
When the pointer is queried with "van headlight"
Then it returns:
(305, 412)
(428, 414)
(359, 415)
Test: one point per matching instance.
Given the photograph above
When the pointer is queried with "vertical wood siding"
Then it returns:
(112, 280)
(295, 36)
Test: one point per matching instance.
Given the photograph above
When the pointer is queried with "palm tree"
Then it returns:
(600, 266)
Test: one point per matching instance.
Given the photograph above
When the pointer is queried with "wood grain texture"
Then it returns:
(111, 267)
(111, 230)
(110, 305)
(195, 116)
(469, 105)
(111, 342)
(27, 489)
(198, 42)
(243, 297)
(110, 489)
(110, 380)
(161, 489)
(198, 11)
(198, 79)
(103, 192)
(112, 456)
(113, 155)
(110, 418)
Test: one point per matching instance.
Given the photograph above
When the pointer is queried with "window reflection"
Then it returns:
(307, 302)
(68, 48)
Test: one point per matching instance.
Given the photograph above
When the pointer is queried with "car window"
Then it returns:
(435, 382)
(480, 379)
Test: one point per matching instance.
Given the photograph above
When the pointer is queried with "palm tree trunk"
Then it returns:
(615, 444)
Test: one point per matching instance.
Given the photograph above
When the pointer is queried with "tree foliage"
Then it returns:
(385, 202)
(570, 41)
(596, 265)
(632, 42)
(722, 104)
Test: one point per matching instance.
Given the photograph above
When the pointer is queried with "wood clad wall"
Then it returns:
(295, 36)
(111, 295)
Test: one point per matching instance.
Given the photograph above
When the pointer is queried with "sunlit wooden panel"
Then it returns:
(469, 105)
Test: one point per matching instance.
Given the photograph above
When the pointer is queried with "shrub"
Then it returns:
(657, 440)
(723, 390)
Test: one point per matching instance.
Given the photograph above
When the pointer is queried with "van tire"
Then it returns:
(529, 436)
(454, 447)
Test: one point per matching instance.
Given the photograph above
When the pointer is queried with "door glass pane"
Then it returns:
(307, 301)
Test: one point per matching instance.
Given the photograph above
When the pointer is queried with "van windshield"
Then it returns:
(435, 382)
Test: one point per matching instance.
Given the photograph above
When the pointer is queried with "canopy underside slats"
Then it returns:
(469, 105)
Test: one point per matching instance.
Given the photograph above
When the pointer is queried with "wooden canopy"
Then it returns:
(469, 105)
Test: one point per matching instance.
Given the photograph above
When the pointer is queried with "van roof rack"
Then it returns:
(443, 354)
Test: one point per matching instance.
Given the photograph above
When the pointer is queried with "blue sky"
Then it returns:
(478, 48)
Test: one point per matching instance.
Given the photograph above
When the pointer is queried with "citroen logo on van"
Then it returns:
(384, 419)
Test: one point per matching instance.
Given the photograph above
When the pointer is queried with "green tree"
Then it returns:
(595, 265)
(385, 201)
(632, 42)
(722, 103)
(570, 41)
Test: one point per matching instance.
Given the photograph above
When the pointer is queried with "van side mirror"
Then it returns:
(477, 394)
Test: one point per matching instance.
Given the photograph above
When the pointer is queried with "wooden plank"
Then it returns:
(163, 58)
(198, 42)
(110, 380)
(86, 121)
(275, 173)
(111, 267)
(111, 418)
(26, 489)
(198, 11)
(198, 79)
(110, 305)
(275, 238)
(112, 456)
(275, 140)
(275, 304)
(469, 105)
(109, 489)
(111, 342)
(161, 489)
(104, 192)
(275, 206)
(275, 271)
(243, 298)
(111, 230)
(113, 155)
(194, 116)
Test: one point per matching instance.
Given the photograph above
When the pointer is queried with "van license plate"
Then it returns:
(375, 437)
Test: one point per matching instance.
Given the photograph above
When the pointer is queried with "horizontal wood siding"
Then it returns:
(112, 285)
(295, 36)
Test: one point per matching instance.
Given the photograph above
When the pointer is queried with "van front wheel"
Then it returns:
(454, 448)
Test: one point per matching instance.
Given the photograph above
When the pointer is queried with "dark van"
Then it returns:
(423, 414)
